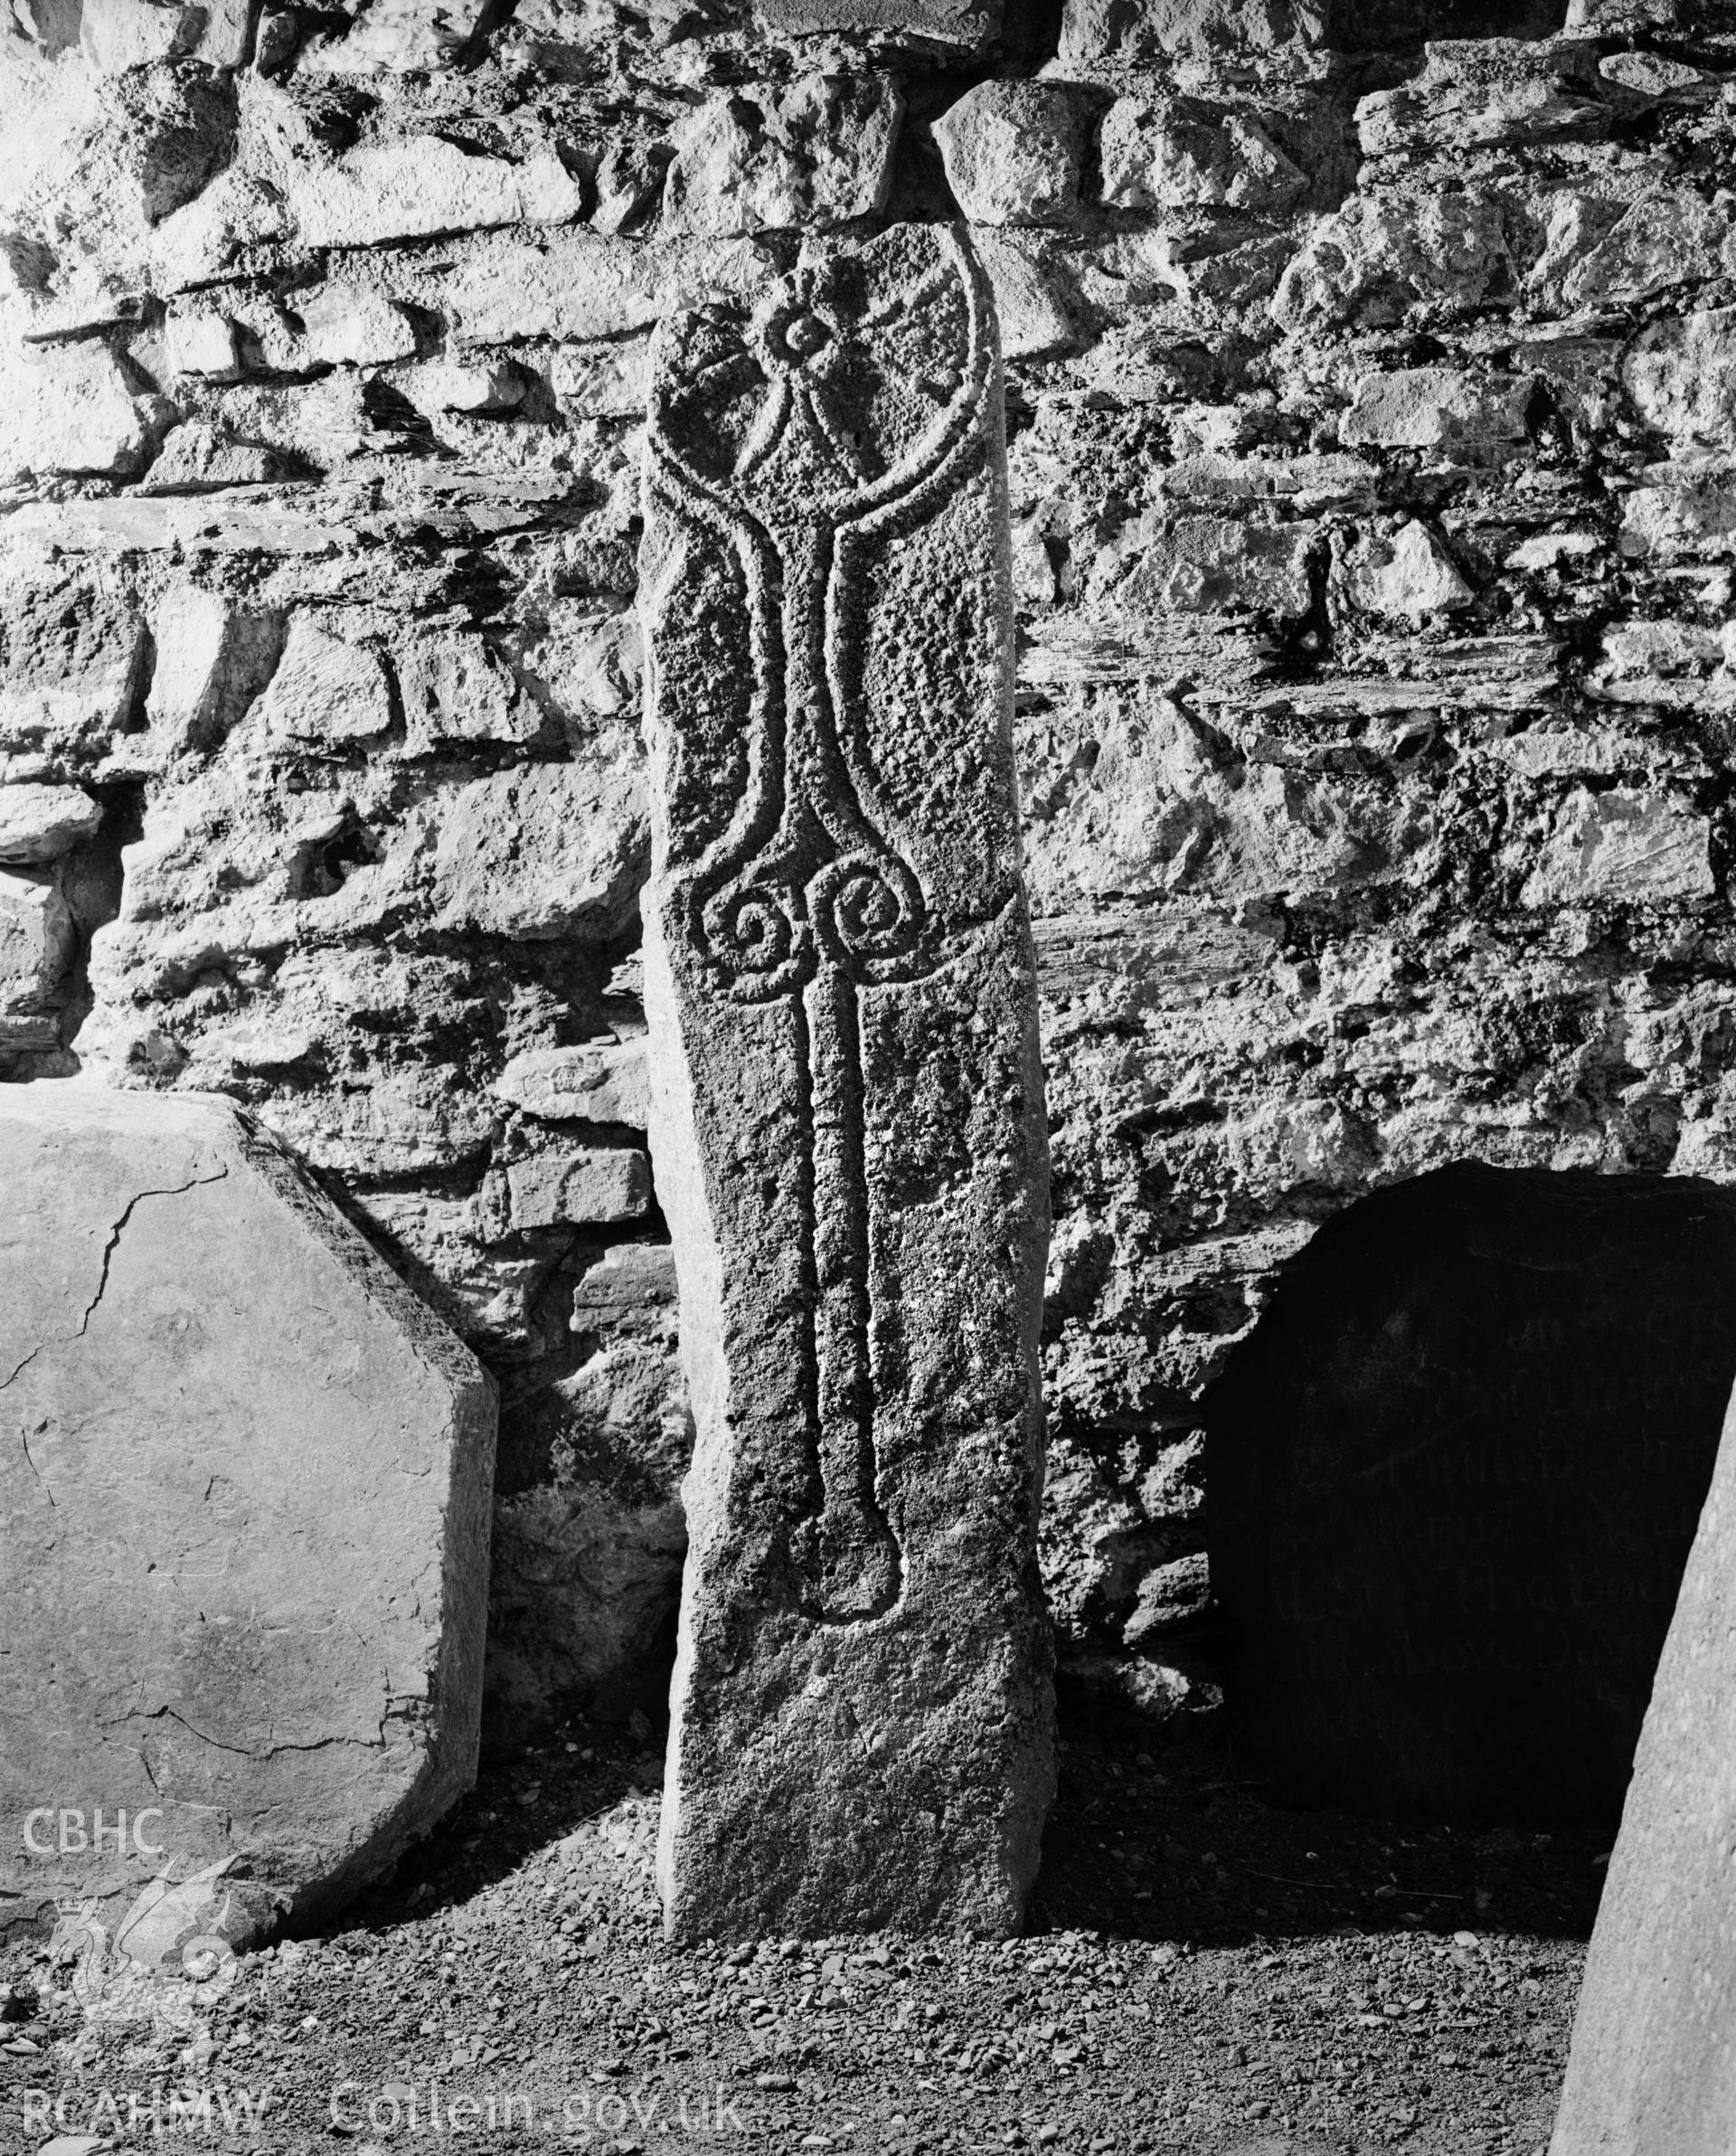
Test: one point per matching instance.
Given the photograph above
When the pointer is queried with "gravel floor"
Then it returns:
(1204, 1974)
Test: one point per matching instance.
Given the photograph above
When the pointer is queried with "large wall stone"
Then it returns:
(244, 1501)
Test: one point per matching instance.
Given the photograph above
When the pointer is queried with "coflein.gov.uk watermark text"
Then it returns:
(406, 2107)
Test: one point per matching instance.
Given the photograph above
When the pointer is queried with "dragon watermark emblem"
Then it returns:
(168, 1960)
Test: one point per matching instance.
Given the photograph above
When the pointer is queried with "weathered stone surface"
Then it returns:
(325, 688)
(72, 414)
(1652, 2065)
(398, 37)
(454, 689)
(36, 940)
(199, 459)
(599, 1081)
(626, 1281)
(213, 657)
(1425, 408)
(1135, 32)
(1671, 664)
(582, 1184)
(319, 425)
(245, 1503)
(1169, 806)
(200, 341)
(1668, 238)
(1477, 92)
(1033, 318)
(72, 653)
(588, 1560)
(451, 385)
(1013, 151)
(815, 154)
(1205, 564)
(39, 823)
(601, 381)
(118, 34)
(1365, 264)
(1180, 153)
(847, 1114)
(205, 236)
(550, 850)
(1653, 79)
(1685, 511)
(1681, 374)
(1406, 573)
(965, 24)
(352, 325)
(1452, 1479)
(585, 1582)
(1622, 844)
(399, 190)
(581, 284)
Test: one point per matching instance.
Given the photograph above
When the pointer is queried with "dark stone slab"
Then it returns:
(1453, 1478)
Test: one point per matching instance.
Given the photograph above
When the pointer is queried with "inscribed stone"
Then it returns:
(846, 1106)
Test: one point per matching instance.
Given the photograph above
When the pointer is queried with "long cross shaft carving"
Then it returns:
(805, 897)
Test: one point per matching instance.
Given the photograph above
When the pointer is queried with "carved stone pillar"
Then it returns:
(847, 1111)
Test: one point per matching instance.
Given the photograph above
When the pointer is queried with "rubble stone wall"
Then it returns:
(1373, 436)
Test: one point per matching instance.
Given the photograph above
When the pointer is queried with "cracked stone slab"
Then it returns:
(846, 1106)
(245, 1482)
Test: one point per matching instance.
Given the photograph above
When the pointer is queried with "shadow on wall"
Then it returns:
(1452, 1479)
(1375, 26)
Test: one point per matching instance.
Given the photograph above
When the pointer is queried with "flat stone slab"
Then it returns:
(1453, 1476)
(245, 1481)
(846, 1107)
(1652, 2071)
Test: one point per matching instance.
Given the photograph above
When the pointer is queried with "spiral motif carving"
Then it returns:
(862, 913)
(753, 931)
(868, 911)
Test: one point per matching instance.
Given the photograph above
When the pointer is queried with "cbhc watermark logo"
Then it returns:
(49, 1832)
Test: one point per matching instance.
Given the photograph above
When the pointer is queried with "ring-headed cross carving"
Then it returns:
(801, 441)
